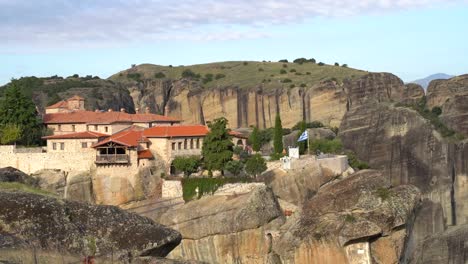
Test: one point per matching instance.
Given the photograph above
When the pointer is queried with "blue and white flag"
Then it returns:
(304, 136)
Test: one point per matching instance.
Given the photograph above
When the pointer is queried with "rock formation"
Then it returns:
(34, 228)
(452, 96)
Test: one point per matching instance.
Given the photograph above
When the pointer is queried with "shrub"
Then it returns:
(187, 164)
(300, 60)
(312, 60)
(235, 167)
(303, 85)
(219, 76)
(436, 110)
(283, 71)
(313, 124)
(245, 63)
(321, 64)
(75, 76)
(308, 73)
(355, 163)
(350, 218)
(383, 193)
(344, 65)
(337, 64)
(286, 80)
(285, 65)
(283, 61)
(260, 69)
(292, 85)
(188, 74)
(298, 73)
(208, 78)
(333, 146)
(134, 76)
(255, 140)
(292, 70)
(159, 75)
(206, 185)
(276, 156)
(255, 165)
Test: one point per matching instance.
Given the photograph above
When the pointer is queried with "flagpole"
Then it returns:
(308, 149)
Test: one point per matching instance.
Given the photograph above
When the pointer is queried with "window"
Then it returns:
(191, 143)
(173, 145)
(198, 143)
(185, 143)
(54, 146)
(106, 129)
(84, 144)
(180, 145)
(73, 128)
(62, 146)
(59, 127)
(95, 127)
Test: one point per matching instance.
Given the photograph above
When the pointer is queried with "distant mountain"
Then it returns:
(424, 82)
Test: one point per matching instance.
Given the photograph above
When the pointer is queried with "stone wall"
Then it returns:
(172, 189)
(34, 161)
(337, 164)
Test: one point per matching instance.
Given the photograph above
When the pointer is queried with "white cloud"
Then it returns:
(52, 22)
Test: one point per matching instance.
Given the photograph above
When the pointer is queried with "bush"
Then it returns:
(235, 167)
(436, 110)
(285, 65)
(255, 165)
(308, 73)
(292, 86)
(260, 69)
(312, 60)
(333, 146)
(313, 124)
(219, 76)
(383, 193)
(298, 73)
(205, 186)
(283, 61)
(188, 74)
(344, 65)
(245, 63)
(208, 78)
(276, 156)
(187, 164)
(286, 80)
(337, 64)
(300, 60)
(134, 76)
(254, 139)
(159, 75)
(355, 163)
(321, 64)
(292, 70)
(303, 85)
(282, 71)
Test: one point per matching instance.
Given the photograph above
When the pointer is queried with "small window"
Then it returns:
(84, 144)
(180, 145)
(173, 145)
(106, 129)
(54, 146)
(73, 128)
(59, 127)
(198, 143)
(62, 146)
(191, 143)
(185, 143)
(95, 127)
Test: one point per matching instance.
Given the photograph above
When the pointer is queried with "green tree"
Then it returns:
(10, 133)
(255, 139)
(302, 144)
(187, 164)
(17, 109)
(278, 135)
(255, 165)
(235, 167)
(436, 110)
(217, 146)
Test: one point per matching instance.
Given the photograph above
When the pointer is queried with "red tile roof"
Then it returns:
(129, 137)
(176, 131)
(89, 117)
(145, 154)
(237, 134)
(61, 104)
(75, 97)
(77, 135)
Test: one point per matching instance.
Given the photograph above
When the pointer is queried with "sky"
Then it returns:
(410, 38)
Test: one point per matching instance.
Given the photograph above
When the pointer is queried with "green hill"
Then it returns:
(243, 74)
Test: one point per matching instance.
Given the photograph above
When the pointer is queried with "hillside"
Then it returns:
(244, 75)
(98, 93)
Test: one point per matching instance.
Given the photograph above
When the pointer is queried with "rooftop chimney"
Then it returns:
(122, 110)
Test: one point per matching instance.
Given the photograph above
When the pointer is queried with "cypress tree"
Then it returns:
(278, 136)
(255, 140)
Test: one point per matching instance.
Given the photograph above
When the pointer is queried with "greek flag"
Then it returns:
(304, 136)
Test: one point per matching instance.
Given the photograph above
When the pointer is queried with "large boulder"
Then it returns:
(348, 215)
(10, 174)
(51, 228)
(225, 228)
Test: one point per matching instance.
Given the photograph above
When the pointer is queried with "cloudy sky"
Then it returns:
(411, 38)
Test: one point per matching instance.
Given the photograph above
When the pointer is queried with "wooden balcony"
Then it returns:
(112, 159)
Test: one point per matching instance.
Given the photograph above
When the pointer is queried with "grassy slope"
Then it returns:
(248, 76)
(16, 186)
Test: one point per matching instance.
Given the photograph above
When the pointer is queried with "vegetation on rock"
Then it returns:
(235, 167)
(217, 147)
(195, 188)
(254, 139)
(255, 165)
(278, 135)
(187, 164)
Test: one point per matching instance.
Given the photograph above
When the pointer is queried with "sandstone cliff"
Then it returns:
(452, 96)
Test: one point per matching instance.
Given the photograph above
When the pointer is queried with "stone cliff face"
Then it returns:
(452, 96)
(326, 102)
(405, 145)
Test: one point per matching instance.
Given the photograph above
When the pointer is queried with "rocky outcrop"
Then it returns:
(226, 228)
(343, 218)
(326, 102)
(452, 96)
(10, 174)
(59, 229)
